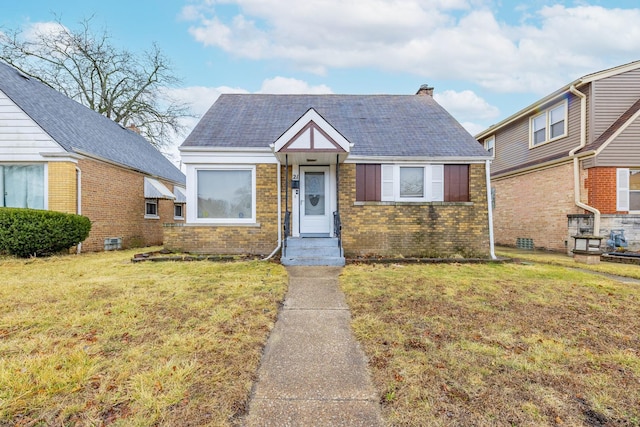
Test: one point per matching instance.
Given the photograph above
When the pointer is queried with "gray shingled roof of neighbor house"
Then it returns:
(78, 129)
(377, 125)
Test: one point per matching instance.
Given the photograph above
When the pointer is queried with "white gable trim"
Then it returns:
(304, 141)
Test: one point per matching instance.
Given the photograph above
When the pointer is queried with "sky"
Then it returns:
(486, 59)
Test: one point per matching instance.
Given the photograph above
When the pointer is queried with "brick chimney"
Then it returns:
(134, 128)
(425, 90)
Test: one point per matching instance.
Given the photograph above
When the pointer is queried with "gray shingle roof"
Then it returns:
(377, 125)
(79, 129)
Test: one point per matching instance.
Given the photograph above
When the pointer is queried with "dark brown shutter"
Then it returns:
(368, 182)
(456, 183)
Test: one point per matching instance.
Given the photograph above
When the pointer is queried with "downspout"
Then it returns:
(490, 209)
(79, 201)
(279, 214)
(576, 162)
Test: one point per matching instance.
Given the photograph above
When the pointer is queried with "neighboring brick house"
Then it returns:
(379, 175)
(59, 155)
(569, 164)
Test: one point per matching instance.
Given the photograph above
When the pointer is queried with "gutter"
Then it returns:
(576, 163)
(279, 216)
(490, 209)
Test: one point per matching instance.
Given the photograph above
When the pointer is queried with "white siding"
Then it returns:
(21, 139)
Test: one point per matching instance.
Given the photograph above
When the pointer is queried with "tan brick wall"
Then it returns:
(113, 199)
(425, 230)
(535, 206)
(62, 189)
(261, 239)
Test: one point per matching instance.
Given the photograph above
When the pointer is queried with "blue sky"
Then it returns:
(486, 58)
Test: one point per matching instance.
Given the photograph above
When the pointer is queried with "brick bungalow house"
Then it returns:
(569, 164)
(59, 155)
(326, 176)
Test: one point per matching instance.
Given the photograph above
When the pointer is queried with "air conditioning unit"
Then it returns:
(112, 243)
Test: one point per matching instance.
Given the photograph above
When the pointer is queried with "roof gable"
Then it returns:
(311, 132)
(78, 129)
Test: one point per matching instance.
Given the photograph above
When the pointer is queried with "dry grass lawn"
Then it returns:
(519, 344)
(97, 340)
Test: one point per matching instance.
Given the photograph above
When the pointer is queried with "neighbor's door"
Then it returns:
(315, 196)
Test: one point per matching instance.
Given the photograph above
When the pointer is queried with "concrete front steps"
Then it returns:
(309, 251)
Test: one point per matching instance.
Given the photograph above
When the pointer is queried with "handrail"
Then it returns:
(287, 231)
(337, 228)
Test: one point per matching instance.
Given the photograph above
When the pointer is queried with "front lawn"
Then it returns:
(97, 340)
(499, 344)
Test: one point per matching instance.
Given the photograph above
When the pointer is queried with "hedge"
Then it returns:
(31, 232)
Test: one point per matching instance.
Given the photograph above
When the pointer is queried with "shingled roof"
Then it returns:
(377, 125)
(78, 129)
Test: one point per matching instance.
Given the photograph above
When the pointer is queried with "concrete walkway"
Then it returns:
(313, 372)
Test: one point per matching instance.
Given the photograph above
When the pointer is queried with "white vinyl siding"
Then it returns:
(622, 188)
(412, 183)
(549, 125)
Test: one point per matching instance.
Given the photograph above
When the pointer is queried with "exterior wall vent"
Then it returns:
(112, 243)
(524, 243)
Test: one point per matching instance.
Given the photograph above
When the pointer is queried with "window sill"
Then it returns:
(151, 217)
(532, 146)
(413, 203)
(178, 218)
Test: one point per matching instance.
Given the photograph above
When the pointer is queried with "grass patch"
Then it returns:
(98, 340)
(498, 344)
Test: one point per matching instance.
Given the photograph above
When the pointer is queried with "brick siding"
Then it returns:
(63, 193)
(535, 206)
(113, 199)
(601, 187)
(439, 229)
(259, 239)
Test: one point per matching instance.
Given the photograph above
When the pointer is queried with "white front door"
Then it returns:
(315, 201)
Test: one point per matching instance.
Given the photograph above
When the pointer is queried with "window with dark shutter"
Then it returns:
(368, 182)
(456, 183)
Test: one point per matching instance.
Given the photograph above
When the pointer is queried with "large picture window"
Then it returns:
(22, 186)
(226, 194)
(549, 125)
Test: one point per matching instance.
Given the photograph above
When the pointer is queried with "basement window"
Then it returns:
(151, 209)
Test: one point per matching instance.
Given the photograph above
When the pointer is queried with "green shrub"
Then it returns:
(31, 232)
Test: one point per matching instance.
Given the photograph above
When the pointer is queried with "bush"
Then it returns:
(31, 232)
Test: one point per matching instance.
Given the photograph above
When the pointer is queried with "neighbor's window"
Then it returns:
(549, 125)
(226, 194)
(489, 145)
(22, 186)
(178, 211)
(628, 190)
(151, 208)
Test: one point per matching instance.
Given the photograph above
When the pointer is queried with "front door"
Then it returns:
(315, 197)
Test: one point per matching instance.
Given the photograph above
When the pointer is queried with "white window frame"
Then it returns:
(178, 217)
(192, 214)
(46, 178)
(490, 145)
(433, 183)
(148, 202)
(547, 131)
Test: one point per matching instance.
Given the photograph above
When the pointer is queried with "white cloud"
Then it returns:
(286, 85)
(466, 105)
(436, 39)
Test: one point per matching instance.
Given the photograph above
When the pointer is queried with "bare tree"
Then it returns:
(128, 88)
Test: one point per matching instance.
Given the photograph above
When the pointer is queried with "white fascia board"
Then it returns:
(439, 160)
(228, 157)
